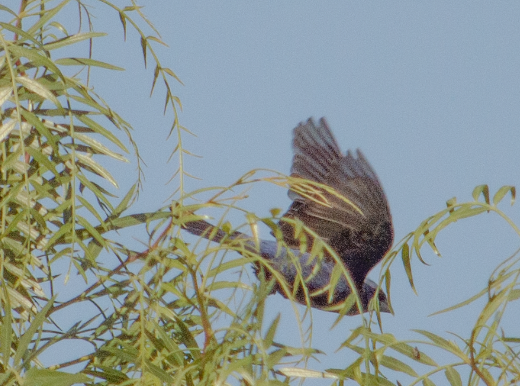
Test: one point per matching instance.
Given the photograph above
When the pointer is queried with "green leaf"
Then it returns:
(99, 148)
(187, 338)
(64, 229)
(451, 202)
(463, 303)
(427, 382)
(444, 344)
(4, 8)
(413, 353)
(96, 168)
(297, 372)
(6, 332)
(499, 195)
(405, 256)
(234, 263)
(124, 204)
(397, 365)
(45, 17)
(43, 130)
(5, 94)
(36, 59)
(269, 336)
(275, 357)
(27, 337)
(481, 189)
(453, 376)
(91, 230)
(87, 62)
(6, 128)
(143, 47)
(97, 128)
(72, 39)
(218, 285)
(38, 89)
(90, 208)
(45, 377)
(514, 295)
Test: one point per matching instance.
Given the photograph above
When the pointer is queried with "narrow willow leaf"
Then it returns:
(464, 211)
(388, 280)
(431, 243)
(45, 163)
(99, 147)
(124, 204)
(514, 295)
(397, 365)
(42, 128)
(491, 307)
(64, 230)
(36, 59)
(187, 338)
(6, 129)
(444, 344)
(481, 189)
(143, 47)
(97, 128)
(451, 202)
(269, 336)
(172, 74)
(97, 168)
(305, 373)
(156, 371)
(175, 352)
(499, 195)
(4, 8)
(72, 39)
(5, 94)
(122, 18)
(125, 353)
(46, 377)
(91, 230)
(463, 303)
(26, 338)
(411, 352)
(405, 256)
(453, 376)
(234, 263)
(218, 285)
(427, 382)
(19, 299)
(45, 18)
(94, 188)
(275, 357)
(135, 220)
(37, 88)
(59, 26)
(28, 229)
(87, 62)
(6, 331)
(90, 208)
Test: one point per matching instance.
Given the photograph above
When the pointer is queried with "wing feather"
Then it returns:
(361, 233)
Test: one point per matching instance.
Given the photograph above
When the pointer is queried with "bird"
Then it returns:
(352, 217)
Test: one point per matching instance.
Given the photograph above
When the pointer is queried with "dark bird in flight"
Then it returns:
(355, 223)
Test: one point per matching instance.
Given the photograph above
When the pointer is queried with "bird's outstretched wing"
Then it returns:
(360, 234)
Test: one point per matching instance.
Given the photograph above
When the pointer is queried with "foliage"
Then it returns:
(182, 317)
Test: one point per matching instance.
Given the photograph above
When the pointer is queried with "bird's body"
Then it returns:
(354, 221)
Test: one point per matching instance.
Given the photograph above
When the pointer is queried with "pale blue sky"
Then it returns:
(430, 91)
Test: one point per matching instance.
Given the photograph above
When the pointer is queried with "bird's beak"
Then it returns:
(385, 307)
